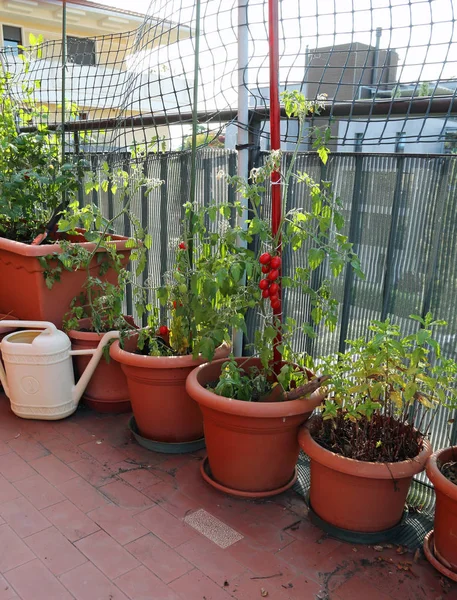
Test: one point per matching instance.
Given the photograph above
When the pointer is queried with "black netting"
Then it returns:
(386, 66)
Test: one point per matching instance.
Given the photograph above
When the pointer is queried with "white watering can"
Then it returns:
(39, 379)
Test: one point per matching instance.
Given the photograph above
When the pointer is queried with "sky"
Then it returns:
(406, 25)
(422, 32)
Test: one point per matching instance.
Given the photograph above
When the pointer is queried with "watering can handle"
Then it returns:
(46, 325)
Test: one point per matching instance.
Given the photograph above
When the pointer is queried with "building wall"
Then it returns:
(341, 71)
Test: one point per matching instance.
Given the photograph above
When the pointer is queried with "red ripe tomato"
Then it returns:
(273, 297)
(274, 288)
(276, 262)
(276, 304)
(272, 275)
(163, 330)
(265, 293)
(174, 304)
(182, 246)
(266, 269)
(265, 258)
(264, 284)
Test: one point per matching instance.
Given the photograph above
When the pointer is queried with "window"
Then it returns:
(12, 38)
(81, 51)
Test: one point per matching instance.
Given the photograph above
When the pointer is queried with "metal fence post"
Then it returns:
(354, 237)
(389, 267)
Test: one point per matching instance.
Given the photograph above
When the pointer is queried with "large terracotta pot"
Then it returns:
(252, 446)
(107, 390)
(24, 290)
(365, 497)
(163, 410)
(445, 529)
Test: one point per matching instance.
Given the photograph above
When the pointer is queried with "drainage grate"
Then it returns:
(215, 530)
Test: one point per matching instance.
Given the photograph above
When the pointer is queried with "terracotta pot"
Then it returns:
(445, 532)
(163, 410)
(252, 446)
(26, 293)
(107, 390)
(359, 496)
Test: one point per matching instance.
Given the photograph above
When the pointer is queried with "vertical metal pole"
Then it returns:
(354, 237)
(275, 118)
(64, 67)
(193, 166)
(193, 172)
(243, 132)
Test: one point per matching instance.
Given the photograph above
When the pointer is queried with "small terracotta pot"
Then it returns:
(163, 410)
(365, 497)
(107, 390)
(252, 446)
(445, 532)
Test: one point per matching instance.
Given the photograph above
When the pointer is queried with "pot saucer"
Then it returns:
(164, 447)
(429, 551)
(205, 470)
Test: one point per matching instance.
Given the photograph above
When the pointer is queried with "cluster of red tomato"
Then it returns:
(270, 289)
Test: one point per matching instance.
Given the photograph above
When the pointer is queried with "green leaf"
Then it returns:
(148, 241)
(315, 257)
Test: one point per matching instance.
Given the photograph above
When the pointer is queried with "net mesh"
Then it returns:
(386, 66)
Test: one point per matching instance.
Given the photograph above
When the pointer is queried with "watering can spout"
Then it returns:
(79, 388)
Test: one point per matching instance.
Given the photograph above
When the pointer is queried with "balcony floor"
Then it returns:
(86, 513)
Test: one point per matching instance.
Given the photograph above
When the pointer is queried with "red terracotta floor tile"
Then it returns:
(33, 581)
(103, 452)
(88, 583)
(74, 432)
(4, 448)
(118, 523)
(309, 558)
(7, 491)
(53, 469)
(141, 584)
(165, 526)
(213, 561)
(23, 517)
(260, 562)
(6, 591)
(141, 456)
(247, 587)
(39, 430)
(140, 479)
(106, 554)
(14, 468)
(126, 496)
(13, 550)
(301, 588)
(55, 551)
(93, 472)
(195, 586)
(64, 450)
(39, 492)
(82, 494)
(164, 562)
(357, 589)
(69, 520)
(171, 499)
(28, 448)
